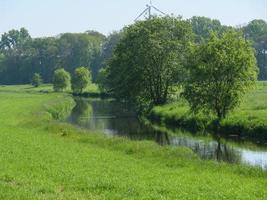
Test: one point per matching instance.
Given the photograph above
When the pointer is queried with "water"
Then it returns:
(115, 120)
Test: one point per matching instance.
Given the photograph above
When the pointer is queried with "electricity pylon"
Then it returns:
(147, 13)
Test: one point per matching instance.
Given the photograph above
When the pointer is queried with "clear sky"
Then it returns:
(51, 17)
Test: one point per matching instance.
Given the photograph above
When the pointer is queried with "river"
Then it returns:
(114, 119)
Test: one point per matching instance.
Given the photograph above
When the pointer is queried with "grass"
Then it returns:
(46, 159)
(248, 120)
(45, 88)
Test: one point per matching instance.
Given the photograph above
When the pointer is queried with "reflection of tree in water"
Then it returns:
(217, 150)
(162, 138)
(113, 118)
(135, 129)
(213, 150)
(81, 111)
(226, 153)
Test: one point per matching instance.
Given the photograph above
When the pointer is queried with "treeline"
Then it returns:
(21, 56)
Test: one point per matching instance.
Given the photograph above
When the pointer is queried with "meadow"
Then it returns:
(247, 120)
(42, 157)
(44, 88)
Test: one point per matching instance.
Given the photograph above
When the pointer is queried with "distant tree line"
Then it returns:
(21, 56)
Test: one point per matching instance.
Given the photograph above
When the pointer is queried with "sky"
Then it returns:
(52, 17)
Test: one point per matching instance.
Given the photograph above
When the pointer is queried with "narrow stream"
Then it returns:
(115, 120)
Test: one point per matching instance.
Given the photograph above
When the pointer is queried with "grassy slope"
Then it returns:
(44, 159)
(251, 115)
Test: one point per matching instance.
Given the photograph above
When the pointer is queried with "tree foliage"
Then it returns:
(221, 71)
(256, 31)
(36, 80)
(80, 79)
(203, 26)
(102, 79)
(148, 59)
(23, 56)
(108, 47)
(80, 49)
(61, 80)
(15, 47)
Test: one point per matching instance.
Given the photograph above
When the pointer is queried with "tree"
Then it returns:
(221, 71)
(256, 31)
(22, 56)
(255, 28)
(101, 59)
(80, 80)
(61, 80)
(14, 45)
(25, 56)
(147, 61)
(80, 49)
(81, 110)
(108, 47)
(203, 26)
(102, 79)
(97, 39)
(36, 80)
(44, 58)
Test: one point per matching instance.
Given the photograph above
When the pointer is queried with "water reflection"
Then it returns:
(212, 150)
(81, 111)
(114, 119)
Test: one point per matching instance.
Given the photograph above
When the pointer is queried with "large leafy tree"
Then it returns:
(221, 71)
(148, 59)
(80, 79)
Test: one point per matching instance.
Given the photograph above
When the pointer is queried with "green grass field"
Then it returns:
(45, 88)
(46, 159)
(248, 119)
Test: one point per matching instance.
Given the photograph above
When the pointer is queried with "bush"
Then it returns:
(80, 80)
(61, 80)
(36, 80)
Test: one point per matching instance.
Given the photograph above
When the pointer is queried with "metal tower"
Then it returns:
(147, 13)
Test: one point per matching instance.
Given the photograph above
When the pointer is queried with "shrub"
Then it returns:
(80, 80)
(61, 80)
(36, 80)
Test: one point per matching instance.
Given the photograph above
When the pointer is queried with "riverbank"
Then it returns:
(248, 121)
(43, 158)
